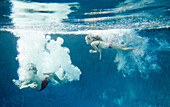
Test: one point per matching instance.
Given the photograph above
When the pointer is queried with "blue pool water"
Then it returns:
(50, 33)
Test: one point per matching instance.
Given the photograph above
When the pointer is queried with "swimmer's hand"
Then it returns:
(92, 51)
(33, 85)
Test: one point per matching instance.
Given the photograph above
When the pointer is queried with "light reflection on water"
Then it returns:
(78, 16)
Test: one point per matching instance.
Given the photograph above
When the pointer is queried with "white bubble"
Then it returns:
(60, 40)
(33, 47)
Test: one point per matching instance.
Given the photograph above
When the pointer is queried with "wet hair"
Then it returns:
(32, 67)
(95, 38)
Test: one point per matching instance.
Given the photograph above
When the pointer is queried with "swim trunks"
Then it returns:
(44, 83)
(110, 43)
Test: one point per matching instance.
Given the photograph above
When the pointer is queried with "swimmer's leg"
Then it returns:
(50, 74)
(100, 57)
(53, 75)
(127, 49)
(57, 78)
(138, 37)
(128, 42)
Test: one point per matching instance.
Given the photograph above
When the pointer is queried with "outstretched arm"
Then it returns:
(32, 85)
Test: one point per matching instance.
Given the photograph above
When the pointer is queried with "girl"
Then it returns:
(97, 43)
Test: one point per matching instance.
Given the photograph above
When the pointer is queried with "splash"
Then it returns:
(32, 21)
(47, 54)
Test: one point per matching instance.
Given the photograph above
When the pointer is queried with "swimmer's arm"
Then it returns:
(32, 85)
(96, 50)
(24, 85)
(93, 44)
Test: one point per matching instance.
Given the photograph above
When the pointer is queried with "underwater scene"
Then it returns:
(84, 53)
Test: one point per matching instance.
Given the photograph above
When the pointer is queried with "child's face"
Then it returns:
(87, 40)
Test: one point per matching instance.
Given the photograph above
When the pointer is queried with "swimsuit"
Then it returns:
(44, 83)
(110, 43)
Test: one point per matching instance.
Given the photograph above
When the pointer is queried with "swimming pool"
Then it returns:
(51, 34)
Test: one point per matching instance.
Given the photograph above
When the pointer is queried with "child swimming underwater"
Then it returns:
(98, 44)
(36, 83)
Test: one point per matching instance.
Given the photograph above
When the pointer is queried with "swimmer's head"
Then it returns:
(32, 67)
(88, 39)
(93, 38)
